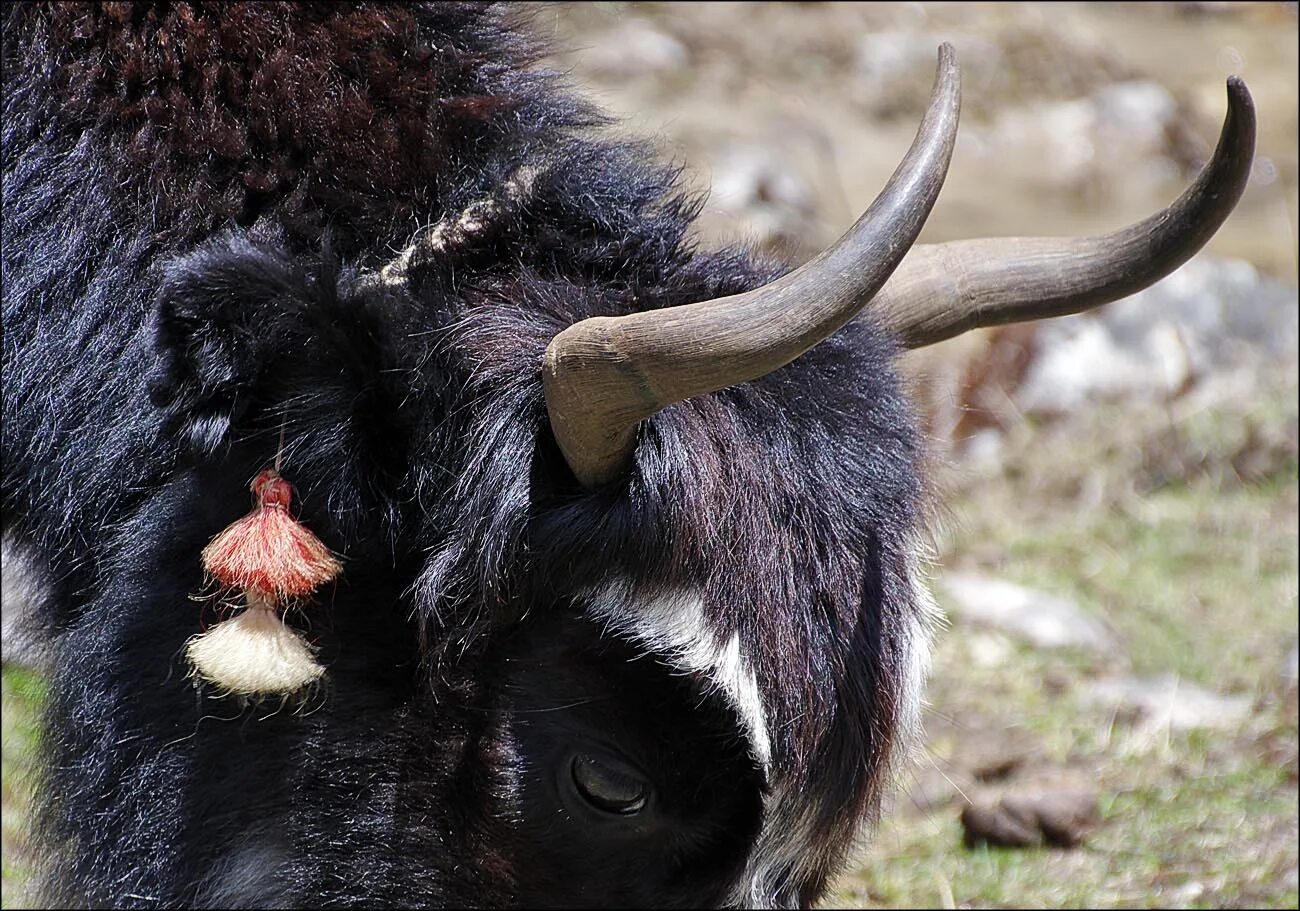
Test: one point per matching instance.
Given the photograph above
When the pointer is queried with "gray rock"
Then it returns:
(1085, 363)
(1156, 705)
(1041, 619)
(1229, 311)
(1211, 317)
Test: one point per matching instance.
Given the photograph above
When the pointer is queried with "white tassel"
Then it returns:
(254, 654)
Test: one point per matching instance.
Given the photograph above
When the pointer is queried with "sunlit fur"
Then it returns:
(193, 231)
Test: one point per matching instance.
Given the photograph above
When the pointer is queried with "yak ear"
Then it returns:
(227, 315)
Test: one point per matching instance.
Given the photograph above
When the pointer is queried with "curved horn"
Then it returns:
(604, 375)
(942, 290)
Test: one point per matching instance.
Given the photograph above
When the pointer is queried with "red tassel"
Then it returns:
(273, 559)
(268, 550)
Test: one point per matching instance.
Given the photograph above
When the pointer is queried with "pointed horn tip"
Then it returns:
(1237, 137)
(947, 79)
(948, 65)
(1239, 97)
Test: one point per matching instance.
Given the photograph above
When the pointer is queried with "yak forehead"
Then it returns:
(764, 545)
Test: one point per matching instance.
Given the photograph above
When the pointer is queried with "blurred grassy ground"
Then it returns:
(1142, 520)
(20, 696)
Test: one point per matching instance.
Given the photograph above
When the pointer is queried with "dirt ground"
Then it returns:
(833, 91)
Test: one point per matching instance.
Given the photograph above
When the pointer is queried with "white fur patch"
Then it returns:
(673, 626)
(784, 852)
(925, 618)
(22, 597)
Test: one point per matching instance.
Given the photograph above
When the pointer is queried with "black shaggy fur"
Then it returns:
(196, 199)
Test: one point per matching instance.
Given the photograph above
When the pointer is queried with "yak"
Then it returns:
(632, 607)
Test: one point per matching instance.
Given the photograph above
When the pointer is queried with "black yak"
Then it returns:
(630, 610)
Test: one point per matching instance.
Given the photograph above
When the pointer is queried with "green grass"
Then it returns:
(1200, 581)
(1193, 824)
(20, 698)
(1192, 819)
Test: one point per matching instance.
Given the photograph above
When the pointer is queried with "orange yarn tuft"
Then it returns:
(268, 550)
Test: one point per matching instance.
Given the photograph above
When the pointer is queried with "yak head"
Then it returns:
(632, 608)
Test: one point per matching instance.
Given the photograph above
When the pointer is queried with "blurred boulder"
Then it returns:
(767, 196)
(1118, 142)
(1043, 620)
(1209, 317)
(1086, 362)
(1154, 706)
(634, 48)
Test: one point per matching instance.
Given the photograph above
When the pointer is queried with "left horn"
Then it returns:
(604, 375)
(942, 290)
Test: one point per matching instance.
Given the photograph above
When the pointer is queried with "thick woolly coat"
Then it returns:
(196, 200)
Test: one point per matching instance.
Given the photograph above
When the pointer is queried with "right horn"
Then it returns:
(604, 375)
(943, 290)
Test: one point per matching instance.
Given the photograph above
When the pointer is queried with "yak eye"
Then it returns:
(609, 787)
